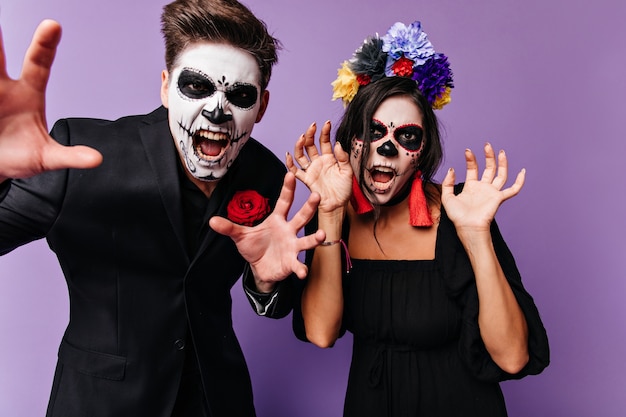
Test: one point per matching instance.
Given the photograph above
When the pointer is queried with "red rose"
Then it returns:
(247, 208)
(403, 67)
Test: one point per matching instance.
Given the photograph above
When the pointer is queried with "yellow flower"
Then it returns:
(346, 84)
(443, 99)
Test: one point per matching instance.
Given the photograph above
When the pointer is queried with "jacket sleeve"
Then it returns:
(276, 304)
(29, 207)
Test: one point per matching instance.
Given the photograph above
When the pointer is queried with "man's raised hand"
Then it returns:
(26, 149)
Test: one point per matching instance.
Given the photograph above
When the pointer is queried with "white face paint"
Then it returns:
(213, 94)
(397, 142)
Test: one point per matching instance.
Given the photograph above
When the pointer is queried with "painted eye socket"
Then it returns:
(243, 96)
(194, 85)
(409, 136)
(377, 130)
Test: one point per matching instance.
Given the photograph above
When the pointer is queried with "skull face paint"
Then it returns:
(214, 98)
(396, 144)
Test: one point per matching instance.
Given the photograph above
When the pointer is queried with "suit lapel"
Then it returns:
(161, 152)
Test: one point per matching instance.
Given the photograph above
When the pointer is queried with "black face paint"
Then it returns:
(377, 130)
(217, 116)
(243, 96)
(195, 85)
(387, 149)
(409, 137)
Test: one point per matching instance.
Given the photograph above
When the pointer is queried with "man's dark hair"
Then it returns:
(184, 22)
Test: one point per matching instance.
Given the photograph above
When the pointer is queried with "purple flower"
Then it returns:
(433, 77)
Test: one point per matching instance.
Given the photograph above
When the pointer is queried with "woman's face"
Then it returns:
(397, 142)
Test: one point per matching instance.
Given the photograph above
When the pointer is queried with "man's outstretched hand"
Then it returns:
(26, 149)
(272, 247)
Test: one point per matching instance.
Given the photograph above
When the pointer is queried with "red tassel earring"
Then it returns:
(360, 203)
(419, 213)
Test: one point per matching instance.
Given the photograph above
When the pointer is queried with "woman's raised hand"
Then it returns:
(26, 149)
(326, 171)
(476, 206)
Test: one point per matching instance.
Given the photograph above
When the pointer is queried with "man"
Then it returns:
(126, 204)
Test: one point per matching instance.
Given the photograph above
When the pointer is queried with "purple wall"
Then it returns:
(543, 79)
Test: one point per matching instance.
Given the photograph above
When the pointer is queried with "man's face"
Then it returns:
(397, 142)
(214, 99)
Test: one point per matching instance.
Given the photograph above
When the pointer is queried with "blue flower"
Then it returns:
(409, 41)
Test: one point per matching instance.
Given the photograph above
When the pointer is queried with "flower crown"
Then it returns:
(404, 51)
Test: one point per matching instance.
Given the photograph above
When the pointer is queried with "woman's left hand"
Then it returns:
(503, 327)
(476, 206)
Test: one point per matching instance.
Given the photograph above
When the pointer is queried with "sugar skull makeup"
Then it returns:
(396, 143)
(214, 99)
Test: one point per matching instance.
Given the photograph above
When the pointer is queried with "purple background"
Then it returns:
(543, 79)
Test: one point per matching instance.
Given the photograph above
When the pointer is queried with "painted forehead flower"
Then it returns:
(404, 51)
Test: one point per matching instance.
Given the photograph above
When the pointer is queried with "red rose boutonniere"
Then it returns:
(248, 208)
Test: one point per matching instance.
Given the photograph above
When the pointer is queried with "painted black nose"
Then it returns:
(387, 149)
(217, 116)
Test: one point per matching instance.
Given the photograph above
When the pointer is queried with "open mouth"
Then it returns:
(382, 178)
(210, 146)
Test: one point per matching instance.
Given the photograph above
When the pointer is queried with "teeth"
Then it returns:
(388, 177)
(386, 170)
(200, 153)
(210, 141)
(205, 134)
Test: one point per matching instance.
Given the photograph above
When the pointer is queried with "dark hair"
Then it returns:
(184, 22)
(359, 113)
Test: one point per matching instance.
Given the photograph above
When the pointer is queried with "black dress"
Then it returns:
(417, 348)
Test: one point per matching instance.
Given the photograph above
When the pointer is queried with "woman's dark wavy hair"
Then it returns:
(359, 113)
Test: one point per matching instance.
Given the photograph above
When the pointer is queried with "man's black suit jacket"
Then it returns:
(118, 233)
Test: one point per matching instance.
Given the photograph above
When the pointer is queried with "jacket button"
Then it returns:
(180, 344)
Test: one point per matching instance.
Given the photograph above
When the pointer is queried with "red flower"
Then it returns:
(247, 208)
(403, 67)
(363, 79)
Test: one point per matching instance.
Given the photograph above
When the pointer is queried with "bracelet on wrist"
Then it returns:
(345, 248)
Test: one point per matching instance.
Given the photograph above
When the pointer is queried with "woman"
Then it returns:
(417, 271)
